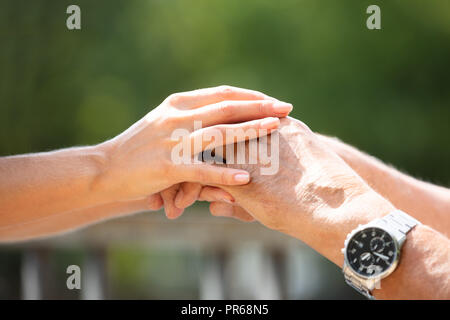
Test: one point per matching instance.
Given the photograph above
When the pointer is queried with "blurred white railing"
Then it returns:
(241, 260)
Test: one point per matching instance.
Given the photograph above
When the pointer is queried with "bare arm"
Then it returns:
(39, 189)
(426, 202)
(73, 219)
(39, 185)
(317, 198)
(424, 270)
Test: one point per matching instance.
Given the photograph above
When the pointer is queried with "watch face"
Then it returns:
(371, 252)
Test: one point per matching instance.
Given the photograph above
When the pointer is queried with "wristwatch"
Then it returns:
(372, 251)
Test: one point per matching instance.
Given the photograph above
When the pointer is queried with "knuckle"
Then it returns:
(226, 108)
(262, 108)
(202, 175)
(175, 98)
(225, 90)
(174, 121)
(224, 177)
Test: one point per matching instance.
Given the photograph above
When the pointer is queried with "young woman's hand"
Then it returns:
(138, 161)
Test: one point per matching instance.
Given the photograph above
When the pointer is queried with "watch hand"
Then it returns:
(385, 258)
(365, 256)
(358, 243)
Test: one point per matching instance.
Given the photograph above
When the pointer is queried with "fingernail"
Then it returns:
(282, 108)
(270, 123)
(241, 177)
(228, 200)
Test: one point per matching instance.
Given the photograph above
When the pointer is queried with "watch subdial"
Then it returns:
(366, 259)
(377, 244)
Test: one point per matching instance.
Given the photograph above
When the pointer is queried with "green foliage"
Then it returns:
(385, 91)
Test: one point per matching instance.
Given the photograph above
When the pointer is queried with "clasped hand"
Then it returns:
(138, 161)
(311, 188)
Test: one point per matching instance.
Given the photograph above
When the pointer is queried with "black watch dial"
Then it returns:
(371, 251)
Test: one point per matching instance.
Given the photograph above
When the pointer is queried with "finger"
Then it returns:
(220, 209)
(212, 194)
(187, 194)
(155, 202)
(240, 214)
(211, 175)
(238, 111)
(168, 196)
(202, 97)
(219, 135)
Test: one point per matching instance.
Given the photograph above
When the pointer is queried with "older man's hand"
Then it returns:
(315, 196)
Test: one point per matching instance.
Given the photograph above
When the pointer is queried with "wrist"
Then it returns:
(360, 211)
(101, 182)
(326, 234)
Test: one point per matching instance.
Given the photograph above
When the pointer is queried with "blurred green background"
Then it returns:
(384, 91)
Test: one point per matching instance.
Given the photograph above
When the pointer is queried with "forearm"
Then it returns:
(316, 197)
(70, 220)
(426, 202)
(40, 185)
(424, 268)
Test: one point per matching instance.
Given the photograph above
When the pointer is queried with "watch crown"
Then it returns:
(343, 250)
